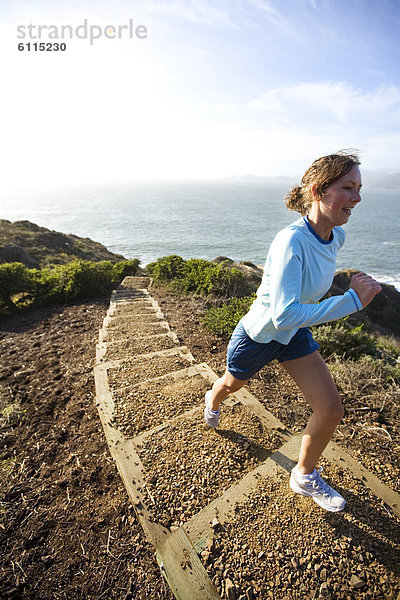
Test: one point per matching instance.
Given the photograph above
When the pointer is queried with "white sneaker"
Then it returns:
(318, 489)
(211, 417)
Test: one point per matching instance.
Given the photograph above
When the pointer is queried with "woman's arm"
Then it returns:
(285, 291)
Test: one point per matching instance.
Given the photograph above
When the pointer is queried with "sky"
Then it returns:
(203, 89)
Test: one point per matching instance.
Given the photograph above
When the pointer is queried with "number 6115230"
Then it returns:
(42, 47)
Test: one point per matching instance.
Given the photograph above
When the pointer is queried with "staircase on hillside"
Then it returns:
(150, 398)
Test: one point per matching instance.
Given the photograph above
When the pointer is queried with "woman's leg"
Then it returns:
(225, 385)
(315, 381)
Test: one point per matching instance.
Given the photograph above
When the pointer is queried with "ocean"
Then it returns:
(233, 218)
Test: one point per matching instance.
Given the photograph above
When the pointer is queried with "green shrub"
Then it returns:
(124, 268)
(81, 279)
(388, 371)
(14, 279)
(389, 348)
(166, 269)
(77, 280)
(366, 379)
(341, 339)
(203, 277)
(222, 320)
(197, 276)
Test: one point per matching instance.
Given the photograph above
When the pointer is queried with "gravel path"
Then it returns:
(273, 544)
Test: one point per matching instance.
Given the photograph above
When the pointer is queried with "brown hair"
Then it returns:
(323, 172)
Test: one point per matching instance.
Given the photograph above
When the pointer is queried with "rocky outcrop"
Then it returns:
(11, 253)
(384, 311)
(35, 246)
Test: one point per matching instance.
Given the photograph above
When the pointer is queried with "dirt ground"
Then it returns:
(67, 529)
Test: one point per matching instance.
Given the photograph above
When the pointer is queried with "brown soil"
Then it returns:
(67, 528)
(287, 548)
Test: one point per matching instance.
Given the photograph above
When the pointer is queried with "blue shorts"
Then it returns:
(246, 357)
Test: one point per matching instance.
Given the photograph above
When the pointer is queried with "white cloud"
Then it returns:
(149, 109)
(338, 102)
(217, 13)
(276, 18)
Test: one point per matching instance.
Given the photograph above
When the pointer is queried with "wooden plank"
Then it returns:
(121, 318)
(144, 312)
(181, 350)
(101, 351)
(127, 460)
(337, 455)
(198, 528)
(251, 402)
(183, 569)
(122, 333)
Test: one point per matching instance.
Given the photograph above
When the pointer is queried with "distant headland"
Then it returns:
(36, 247)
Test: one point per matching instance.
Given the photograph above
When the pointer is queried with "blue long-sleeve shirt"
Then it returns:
(299, 270)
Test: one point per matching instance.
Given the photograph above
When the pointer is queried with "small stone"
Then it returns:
(210, 544)
(317, 568)
(295, 564)
(356, 582)
(260, 554)
(215, 523)
(230, 590)
(323, 574)
(324, 590)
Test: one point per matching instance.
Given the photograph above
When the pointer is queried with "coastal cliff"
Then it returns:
(35, 247)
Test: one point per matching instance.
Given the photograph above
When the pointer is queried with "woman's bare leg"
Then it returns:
(225, 385)
(315, 381)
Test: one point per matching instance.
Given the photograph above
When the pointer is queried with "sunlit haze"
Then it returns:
(216, 88)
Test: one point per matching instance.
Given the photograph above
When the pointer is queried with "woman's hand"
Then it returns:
(366, 288)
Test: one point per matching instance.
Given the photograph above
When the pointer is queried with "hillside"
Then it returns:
(36, 246)
(69, 524)
(383, 314)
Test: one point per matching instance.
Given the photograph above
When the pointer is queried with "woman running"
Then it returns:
(299, 270)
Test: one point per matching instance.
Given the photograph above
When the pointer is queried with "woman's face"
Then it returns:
(341, 197)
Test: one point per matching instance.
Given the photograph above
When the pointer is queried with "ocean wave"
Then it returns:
(393, 280)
